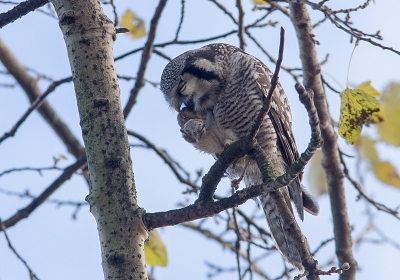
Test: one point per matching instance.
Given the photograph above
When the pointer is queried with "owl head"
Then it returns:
(194, 78)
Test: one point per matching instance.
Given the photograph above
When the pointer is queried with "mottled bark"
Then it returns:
(331, 161)
(89, 36)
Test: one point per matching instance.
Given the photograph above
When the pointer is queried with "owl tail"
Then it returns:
(277, 226)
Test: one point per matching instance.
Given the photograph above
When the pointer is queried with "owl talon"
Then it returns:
(235, 183)
(227, 143)
(187, 137)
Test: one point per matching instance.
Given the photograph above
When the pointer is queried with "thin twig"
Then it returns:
(20, 10)
(237, 242)
(167, 159)
(31, 89)
(377, 205)
(35, 105)
(32, 275)
(225, 244)
(323, 243)
(38, 169)
(274, 81)
(147, 50)
(181, 20)
(26, 211)
(346, 27)
(242, 43)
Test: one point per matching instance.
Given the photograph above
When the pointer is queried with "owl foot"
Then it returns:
(235, 183)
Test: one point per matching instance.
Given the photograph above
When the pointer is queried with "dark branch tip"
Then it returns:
(122, 30)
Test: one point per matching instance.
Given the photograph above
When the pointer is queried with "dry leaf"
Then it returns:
(377, 117)
(356, 109)
(386, 173)
(389, 131)
(260, 2)
(155, 251)
(366, 148)
(316, 175)
(134, 24)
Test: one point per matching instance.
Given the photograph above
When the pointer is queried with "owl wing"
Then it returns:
(281, 118)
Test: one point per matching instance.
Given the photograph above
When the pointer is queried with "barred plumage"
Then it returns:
(222, 90)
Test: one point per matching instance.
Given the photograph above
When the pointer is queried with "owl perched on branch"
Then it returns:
(218, 91)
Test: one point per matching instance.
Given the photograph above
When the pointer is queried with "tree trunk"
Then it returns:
(331, 161)
(89, 36)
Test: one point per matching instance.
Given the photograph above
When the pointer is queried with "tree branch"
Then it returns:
(20, 10)
(26, 211)
(32, 91)
(331, 161)
(346, 27)
(112, 191)
(32, 275)
(242, 43)
(206, 207)
(228, 245)
(35, 105)
(147, 50)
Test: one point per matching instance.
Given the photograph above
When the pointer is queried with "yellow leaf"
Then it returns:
(260, 2)
(379, 116)
(386, 173)
(134, 24)
(383, 170)
(356, 110)
(366, 86)
(389, 131)
(366, 148)
(63, 157)
(155, 251)
(316, 175)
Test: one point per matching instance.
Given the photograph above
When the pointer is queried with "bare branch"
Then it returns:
(66, 175)
(225, 10)
(33, 92)
(32, 275)
(242, 43)
(147, 50)
(346, 27)
(181, 42)
(331, 161)
(114, 9)
(37, 169)
(377, 205)
(206, 207)
(167, 159)
(255, 24)
(20, 10)
(228, 245)
(77, 204)
(237, 242)
(181, 20)
(274, 81)
(323, 243)
(35, 105)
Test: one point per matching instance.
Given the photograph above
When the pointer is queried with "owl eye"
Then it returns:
(181, 86)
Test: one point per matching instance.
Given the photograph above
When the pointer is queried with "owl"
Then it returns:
(218, 91)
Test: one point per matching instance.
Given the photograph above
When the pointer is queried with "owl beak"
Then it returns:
(177, 108)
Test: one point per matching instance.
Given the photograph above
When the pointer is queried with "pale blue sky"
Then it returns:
(57, 247)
